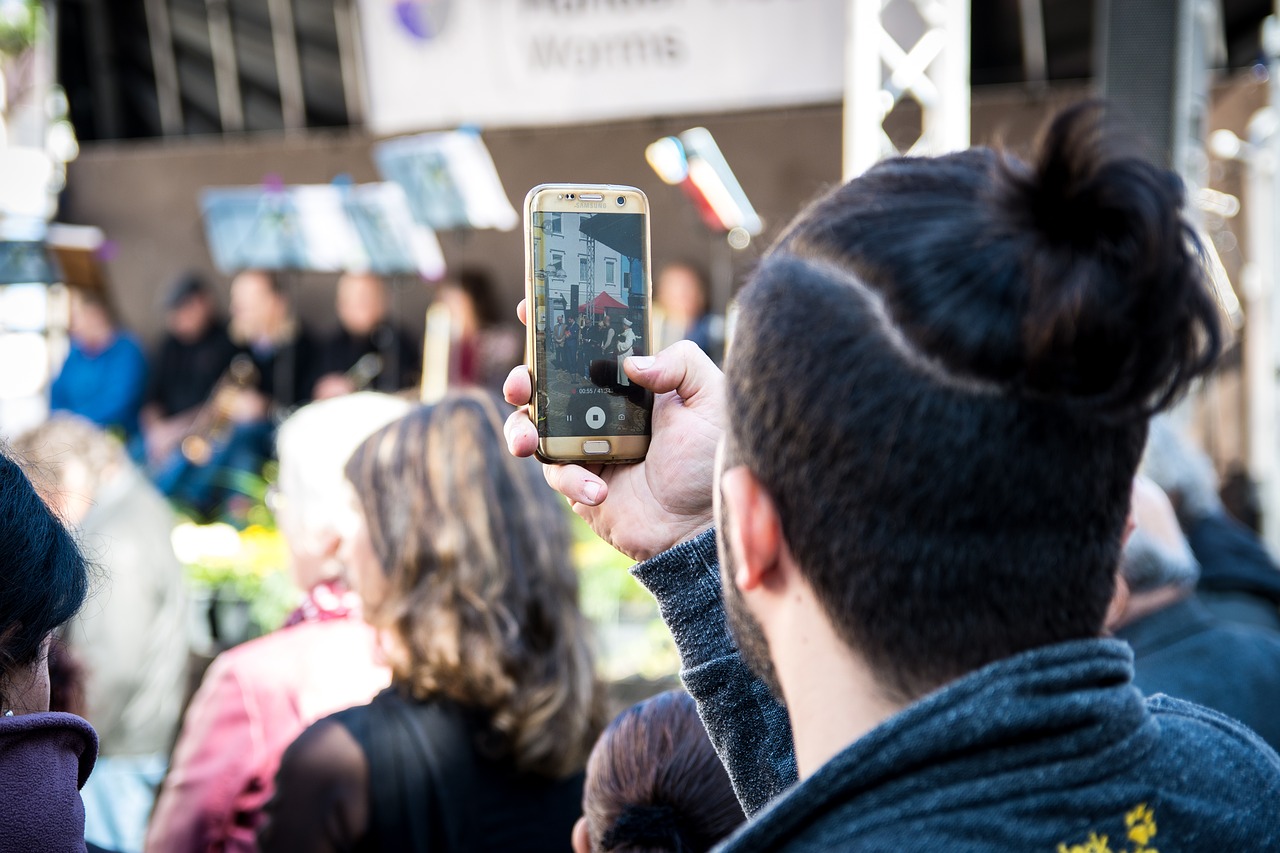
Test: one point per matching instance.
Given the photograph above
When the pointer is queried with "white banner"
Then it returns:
(437, 63)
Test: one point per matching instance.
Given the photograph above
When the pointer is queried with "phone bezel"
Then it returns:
(550, 198)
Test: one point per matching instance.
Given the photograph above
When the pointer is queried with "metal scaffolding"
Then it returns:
(881, 70)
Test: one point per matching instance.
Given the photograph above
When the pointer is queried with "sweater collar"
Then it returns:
(1071, 705)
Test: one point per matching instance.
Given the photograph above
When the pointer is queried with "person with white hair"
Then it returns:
(1179, 647)
(257, 697)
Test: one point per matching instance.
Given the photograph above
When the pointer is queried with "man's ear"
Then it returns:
(754, 528)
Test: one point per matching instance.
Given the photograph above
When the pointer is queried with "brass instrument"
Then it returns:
(213, 422)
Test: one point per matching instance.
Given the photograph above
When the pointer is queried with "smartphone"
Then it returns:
(588, 285)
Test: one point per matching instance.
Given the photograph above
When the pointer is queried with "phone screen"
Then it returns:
(591, 294)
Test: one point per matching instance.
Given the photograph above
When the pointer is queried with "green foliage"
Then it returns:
(631, 637)
(20, 24)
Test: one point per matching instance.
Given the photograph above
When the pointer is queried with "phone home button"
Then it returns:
(595, 447)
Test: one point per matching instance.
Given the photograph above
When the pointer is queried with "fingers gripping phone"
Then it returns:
(587, 282)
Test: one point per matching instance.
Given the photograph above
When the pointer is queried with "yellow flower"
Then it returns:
(1095, 844)
(1142, 826)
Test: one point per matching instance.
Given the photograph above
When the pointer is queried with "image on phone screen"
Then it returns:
(591, 293)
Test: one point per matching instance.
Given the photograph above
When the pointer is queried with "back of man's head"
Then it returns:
(942, 375)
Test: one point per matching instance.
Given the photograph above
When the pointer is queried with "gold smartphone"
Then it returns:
(587, 281)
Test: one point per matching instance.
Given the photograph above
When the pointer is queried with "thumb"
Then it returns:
(681, 367)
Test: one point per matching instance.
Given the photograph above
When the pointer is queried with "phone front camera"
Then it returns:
(622, 200)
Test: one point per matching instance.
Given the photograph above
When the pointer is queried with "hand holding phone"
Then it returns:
(647, 507)
(587, 276)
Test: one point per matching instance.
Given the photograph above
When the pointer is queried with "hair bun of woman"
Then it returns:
(1118, 318)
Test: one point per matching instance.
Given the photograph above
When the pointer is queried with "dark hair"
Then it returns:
(482, 600)
(478, 284)
(67, 677)
(654, 783)
(45, 576)
(962, 353)
(185, 287)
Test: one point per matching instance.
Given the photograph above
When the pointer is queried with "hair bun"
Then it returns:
(1118, 318)
(644, 826)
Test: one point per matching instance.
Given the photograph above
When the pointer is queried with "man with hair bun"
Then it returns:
(928, 429)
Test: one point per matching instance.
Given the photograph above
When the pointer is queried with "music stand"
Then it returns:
(449, 180)
(254, 228)
(390, 242)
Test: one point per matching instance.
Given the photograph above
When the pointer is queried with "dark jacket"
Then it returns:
(1185, 652)
(183, 374)
(44, 761)
(434, 784)
(287, 371)
(401, 356)
(1050, 750)
(1239, 581)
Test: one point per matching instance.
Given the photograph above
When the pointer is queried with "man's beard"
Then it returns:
(743, 627)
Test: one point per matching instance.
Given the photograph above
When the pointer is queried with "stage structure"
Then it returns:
(1260, 155)
(896, 49)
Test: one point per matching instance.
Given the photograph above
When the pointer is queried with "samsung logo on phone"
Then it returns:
(598, 205)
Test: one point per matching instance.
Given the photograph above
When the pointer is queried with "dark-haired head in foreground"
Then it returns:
(43, 582)
(654, 783)
(940, 387)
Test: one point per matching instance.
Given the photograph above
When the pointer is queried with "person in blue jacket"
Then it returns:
(1239, 579)
(932, 413)
(105, 375)
(1180, 646)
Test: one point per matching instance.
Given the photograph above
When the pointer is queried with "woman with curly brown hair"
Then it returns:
(461, 556)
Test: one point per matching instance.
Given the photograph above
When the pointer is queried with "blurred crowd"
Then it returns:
(941, 574)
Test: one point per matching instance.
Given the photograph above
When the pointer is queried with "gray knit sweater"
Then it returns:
(1052, 750)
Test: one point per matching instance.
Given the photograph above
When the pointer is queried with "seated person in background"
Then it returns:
(654, 783)
(269, 377)
(1239, 579)
(132, 635)
(263, 324)
(365, 329)
(932, 416)
(257, 697)
(483, 347)
(681, 310)
(105, 374)
(193, 356)
(1179, 647)
(44, 756)
(461, 555)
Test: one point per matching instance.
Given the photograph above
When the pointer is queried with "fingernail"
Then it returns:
(592, 491)
(641, 362)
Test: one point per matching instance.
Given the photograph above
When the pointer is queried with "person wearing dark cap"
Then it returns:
(188, 363)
